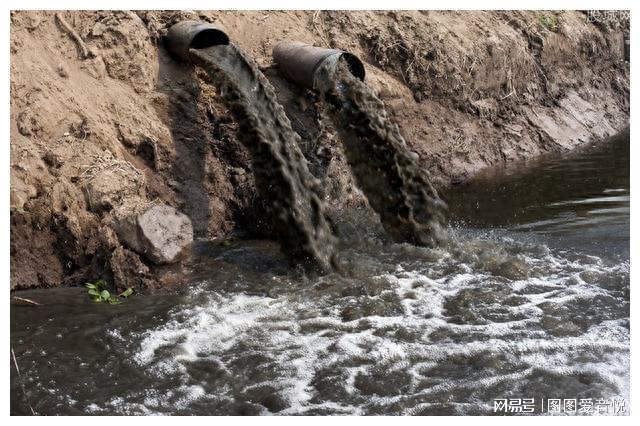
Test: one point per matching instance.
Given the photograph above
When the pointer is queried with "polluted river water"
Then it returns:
(528, 299)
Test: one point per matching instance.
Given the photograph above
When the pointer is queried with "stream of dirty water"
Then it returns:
(384, 167)
(282, 175)
(529, 299)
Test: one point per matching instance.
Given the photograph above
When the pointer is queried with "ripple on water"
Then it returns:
(487, 318)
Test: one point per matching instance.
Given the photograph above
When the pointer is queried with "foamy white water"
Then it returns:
(450, 336)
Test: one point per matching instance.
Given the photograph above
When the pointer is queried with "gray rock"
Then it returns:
(160, 232)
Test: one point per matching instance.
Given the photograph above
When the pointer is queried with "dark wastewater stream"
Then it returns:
(530, 299)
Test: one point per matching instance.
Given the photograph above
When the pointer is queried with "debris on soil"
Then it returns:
(108, 181)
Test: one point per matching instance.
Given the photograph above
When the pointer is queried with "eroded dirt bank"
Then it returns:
(116, 121)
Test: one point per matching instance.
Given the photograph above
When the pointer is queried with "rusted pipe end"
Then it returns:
(186, 35)
(299, 61)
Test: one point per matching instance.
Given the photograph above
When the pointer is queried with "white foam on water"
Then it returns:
(300, 339)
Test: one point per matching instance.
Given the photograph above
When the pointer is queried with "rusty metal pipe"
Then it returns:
(299, 61)
(187, 35)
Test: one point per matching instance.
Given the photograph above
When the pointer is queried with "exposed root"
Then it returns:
(319, 26)
(84, 52)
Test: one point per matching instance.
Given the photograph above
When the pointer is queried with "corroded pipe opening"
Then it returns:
(299, 61)
(187, 35)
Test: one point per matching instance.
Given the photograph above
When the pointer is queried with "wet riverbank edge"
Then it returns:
(129, 123)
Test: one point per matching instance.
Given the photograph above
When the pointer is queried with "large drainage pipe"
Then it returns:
(299, 61)
(187, 35)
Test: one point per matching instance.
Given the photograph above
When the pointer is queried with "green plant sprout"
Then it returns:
(99, 292)
(550, 22)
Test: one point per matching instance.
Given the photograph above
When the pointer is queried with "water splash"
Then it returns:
(423, 337)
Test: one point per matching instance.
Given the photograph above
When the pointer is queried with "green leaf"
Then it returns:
(99, 293)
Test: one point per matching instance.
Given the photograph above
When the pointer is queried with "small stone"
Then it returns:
(160, 232)
(238, 175)
(28, 123)
(62, 71)
(98, 29)
(53, 159)
(33, 22)
(20, 194)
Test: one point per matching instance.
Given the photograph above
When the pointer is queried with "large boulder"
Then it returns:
(158, 232)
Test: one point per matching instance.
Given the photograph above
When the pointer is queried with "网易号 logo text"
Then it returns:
(583, 406)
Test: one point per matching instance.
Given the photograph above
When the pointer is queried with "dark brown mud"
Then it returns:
(385, 169)
(282, 175)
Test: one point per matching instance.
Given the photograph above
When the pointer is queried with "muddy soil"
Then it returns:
(468, 90)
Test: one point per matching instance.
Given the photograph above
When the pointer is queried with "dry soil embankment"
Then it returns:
(114, 123)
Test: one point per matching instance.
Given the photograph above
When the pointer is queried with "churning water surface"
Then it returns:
(530, 299)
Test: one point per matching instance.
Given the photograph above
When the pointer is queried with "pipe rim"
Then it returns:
(355, 65)
(208, 36)
(186, 35)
